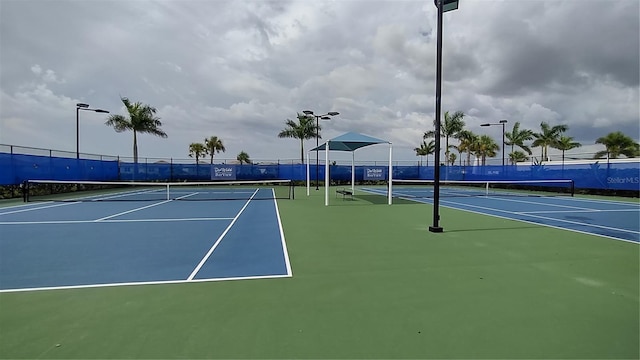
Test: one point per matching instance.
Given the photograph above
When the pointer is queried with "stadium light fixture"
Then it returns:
(83, 106)
(501, 122)
(443, 6)
(326, 116)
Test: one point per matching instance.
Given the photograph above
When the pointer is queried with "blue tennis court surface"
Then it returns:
(619, 220)
(84, 244)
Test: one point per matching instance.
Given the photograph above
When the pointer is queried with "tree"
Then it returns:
(426, 149)
(467, 140)
(517, 137)
(197, 150)
(243, 157)
(486, 147)
(566, 143)
(517, 156)
(452, 159)
(616, 144)
(141, 119)
(214, 145)
(453, 124)
(549, 136)
(304, 129)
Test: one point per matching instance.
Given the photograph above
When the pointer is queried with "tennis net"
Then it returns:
(60, 190)
(425, 188)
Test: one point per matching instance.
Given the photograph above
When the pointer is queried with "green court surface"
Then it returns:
(369, 281)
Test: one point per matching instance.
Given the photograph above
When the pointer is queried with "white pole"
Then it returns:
(390, 171)
(326, 174)
(353, 172)
(307, 173)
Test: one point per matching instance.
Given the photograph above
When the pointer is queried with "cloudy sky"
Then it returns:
(239, 69)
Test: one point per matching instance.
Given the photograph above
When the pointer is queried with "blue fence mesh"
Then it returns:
(15, 168)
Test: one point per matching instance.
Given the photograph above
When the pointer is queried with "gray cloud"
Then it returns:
(237, 70)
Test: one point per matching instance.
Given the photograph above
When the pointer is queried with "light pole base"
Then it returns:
(435, 229)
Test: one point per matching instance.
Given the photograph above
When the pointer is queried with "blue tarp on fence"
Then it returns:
(15, 168)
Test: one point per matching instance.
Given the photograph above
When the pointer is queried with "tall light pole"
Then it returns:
(326, 116)
(443, 6)
(501, 122)
(82, 106)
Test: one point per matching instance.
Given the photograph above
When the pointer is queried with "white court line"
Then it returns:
(110, 221)
(167, 282)
(576, 211)
(215, 245)
(26, 204)
(142, 208)
(498, 198)
(579, 223)
(284, 243)
(38, 208)
(616, 202)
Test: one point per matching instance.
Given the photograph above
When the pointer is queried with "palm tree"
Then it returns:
(452, 159)
(453, 124)
(304, 129)
(467, 139)
(486, 146)
(426, 149)
(141, 119)
(517, 137)
(549, 136)
(617, 143)
(214, 145)
(243, 157)
(517, 156)
(197, 150)
(566, 143)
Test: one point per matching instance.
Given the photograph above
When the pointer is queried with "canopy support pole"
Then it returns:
(326, 174)
(308, 180)
(353, 172)
(390, 190)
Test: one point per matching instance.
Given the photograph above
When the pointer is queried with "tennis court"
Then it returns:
(85, 240)
(616, 220)
(370, 281)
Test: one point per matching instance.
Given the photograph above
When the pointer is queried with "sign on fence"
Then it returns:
(375, 173)
(223, 172)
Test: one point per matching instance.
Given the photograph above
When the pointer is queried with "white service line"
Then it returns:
(141, 208)
(215, 245)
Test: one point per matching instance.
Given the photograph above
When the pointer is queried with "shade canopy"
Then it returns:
(350, 141)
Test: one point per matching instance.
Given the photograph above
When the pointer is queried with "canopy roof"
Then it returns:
(350, 142)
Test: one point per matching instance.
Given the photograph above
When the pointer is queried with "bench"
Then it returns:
(345, 193)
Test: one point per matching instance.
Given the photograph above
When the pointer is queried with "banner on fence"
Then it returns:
(223, 172)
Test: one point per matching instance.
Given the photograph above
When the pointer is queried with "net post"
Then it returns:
(292, 189)
(25, 190)
(573, 187)
(168, 192)
(486, 191)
